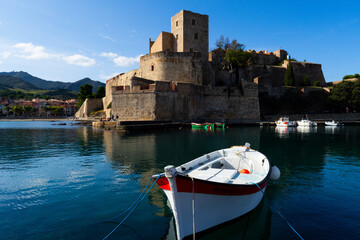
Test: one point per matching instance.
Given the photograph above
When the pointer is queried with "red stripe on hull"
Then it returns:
(184, 184)
(163, 182)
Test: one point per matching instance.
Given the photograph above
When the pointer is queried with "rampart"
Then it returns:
(89, 105)
(311, 70)
(177, 101)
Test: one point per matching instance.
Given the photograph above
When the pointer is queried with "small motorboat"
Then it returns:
(216, 188)
(306, 123)
(206, 125)
(332, 123)
(219, 125)
(285, 122)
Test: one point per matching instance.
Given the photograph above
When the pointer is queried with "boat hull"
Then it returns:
(332, 124)
(214, 203)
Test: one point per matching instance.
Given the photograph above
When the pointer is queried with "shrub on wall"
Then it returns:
(306, 81)
(317, 84)
(109, 105)
(356, 75)
(289, 75)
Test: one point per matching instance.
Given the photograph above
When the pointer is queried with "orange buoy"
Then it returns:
(245, 171)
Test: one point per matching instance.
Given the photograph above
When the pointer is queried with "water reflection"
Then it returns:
(283, 132)
(332, 129)
(306, 129)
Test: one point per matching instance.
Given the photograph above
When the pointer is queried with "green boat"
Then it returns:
(206, 126)
(219, 125)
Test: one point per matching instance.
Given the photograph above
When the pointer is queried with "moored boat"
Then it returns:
(285, 122)
(219, 125)
(205, 125)
(215, 188)
(332, 123)
(306, 123)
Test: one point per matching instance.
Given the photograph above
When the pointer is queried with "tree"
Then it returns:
(355, 96)
(100, 92)
(317, 84)
(306, 81)
(7, 108)
(356, 75)
(289, 75)
(32, 111)
(17, 110)
(341, 95)
(85, 92)
(26, 109)
(236, 58)
(222, 43)
(54, 110)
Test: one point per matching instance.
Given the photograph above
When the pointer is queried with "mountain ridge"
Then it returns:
(38, 83)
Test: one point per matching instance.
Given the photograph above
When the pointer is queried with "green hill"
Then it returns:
(52, 85)
(9, 82)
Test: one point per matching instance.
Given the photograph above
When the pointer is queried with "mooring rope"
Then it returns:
(131, 204)
(101, 222)
(282, 216)
(193, 206)
(133, 207)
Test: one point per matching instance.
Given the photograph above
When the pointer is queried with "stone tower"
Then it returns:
(191, 32)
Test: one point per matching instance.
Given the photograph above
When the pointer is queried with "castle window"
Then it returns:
(177, 23)
(152, 67)
(196, 36)
(193, 22)
(177, 36)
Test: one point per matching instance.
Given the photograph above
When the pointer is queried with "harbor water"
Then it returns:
(69, 181)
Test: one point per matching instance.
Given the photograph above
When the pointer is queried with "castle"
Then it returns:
(179, 80)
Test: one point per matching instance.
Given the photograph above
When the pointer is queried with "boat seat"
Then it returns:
(214, 174)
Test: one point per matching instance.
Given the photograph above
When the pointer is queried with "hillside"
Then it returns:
(9, 82)
(75, 87)
(39, 83)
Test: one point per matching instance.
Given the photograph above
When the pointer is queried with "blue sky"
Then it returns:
(68, 40)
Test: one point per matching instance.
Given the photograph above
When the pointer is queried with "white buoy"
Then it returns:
(275, 173)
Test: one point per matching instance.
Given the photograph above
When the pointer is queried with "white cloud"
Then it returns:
(0, 62)
(126, 61)
(106, 77)
(108, 55)
(121, 60)
(107, 37)
(79, 60)
(30, 51)
(5, 54)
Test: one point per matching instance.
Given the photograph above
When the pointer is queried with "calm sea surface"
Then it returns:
(62, 182)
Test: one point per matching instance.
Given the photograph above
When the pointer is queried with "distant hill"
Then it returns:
(38, 83)
(9, 82)
(75, 86)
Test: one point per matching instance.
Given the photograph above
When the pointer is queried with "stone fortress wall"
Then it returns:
(172, 66)
(175, 101)
(179, 80)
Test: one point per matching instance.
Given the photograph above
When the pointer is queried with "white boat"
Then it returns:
(285, 122)
(332, 123)
(216, 188)
(306, 123)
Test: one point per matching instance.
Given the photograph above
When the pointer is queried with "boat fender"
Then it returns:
(275, 173)
(245, 171)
